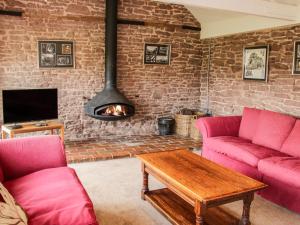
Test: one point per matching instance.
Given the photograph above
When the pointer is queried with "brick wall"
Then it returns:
(155, 90)
(228, 93)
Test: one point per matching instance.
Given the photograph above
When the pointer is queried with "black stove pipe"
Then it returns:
(111, 43)
(110, 95)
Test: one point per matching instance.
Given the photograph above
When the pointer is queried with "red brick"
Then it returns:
(112, 148)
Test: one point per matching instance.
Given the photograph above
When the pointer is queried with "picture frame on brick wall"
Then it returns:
(296, 58)
(255, 63)
(157, 54)
(56, 54)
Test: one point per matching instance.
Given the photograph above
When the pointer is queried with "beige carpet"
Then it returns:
(114, 187)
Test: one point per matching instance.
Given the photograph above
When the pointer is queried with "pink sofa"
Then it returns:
(35, 172)
(262, 144)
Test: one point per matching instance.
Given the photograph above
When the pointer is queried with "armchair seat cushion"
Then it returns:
(53, 196)
(241, 149)
(284, 169)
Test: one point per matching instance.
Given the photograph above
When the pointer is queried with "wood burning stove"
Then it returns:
(110, 104)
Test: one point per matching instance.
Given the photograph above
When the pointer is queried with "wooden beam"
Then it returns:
(156, 24)
(10, 13)
(253, 7)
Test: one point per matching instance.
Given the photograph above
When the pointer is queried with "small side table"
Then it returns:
(8, 132)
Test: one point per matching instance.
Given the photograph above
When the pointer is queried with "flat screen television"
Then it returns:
(29, 105)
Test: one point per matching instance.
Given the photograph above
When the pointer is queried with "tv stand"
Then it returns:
(41, 124)
(15, 126)
(9, 131)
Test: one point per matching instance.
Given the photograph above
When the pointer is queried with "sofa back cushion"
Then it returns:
(1, 175)
(22, 156)
(273, 129)
(291, 145)
(249, 123)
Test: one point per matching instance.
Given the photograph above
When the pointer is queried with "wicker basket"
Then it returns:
(194, 132)
(185, 125)
(182, 124)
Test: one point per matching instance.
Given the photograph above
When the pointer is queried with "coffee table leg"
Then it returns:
(145, 188)
(246, 209)
(199, 210)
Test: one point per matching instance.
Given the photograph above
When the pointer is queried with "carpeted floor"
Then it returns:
(114, 187)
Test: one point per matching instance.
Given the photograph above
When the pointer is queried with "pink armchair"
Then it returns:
(35, 172)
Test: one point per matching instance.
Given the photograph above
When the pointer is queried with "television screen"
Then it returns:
(29, 105)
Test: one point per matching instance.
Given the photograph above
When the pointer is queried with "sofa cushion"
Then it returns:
(291, 145)
(231, 163)
(1, 175)
(284, 169)
(53, 196)
(22, 156)
(249, 123)
(241, 149)
(273, 128)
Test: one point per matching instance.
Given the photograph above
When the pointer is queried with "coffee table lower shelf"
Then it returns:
(179, 212)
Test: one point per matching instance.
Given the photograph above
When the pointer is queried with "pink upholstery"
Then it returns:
(249, 123)
(273, 128)
(53, 196)
(281, 193)
(1, 175)
(292, 144)
(37, 176)
(266, 148)
(219, 126)
(240, 149)
(284, 169)
(22, 156)
(232, 164)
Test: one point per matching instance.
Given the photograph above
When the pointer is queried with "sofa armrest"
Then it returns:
(22, 156)
(219, 126)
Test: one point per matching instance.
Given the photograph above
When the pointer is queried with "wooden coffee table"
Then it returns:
(195, 187)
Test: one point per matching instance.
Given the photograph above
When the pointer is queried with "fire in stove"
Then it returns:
(114, 110)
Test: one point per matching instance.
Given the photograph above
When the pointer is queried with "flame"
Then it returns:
(116, 110)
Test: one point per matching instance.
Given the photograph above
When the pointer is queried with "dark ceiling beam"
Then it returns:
(10, 12)
(145, 23)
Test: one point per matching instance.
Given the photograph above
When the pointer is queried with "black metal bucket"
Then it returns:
(166, 125)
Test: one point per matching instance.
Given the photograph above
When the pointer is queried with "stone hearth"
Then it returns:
(119, 147)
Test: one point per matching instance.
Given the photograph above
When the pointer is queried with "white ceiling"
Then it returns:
(288, 2)
(223, 17)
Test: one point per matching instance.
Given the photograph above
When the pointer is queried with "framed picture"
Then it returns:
(255, 63)
(55, 54)
(157, 54)
(296, 61)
